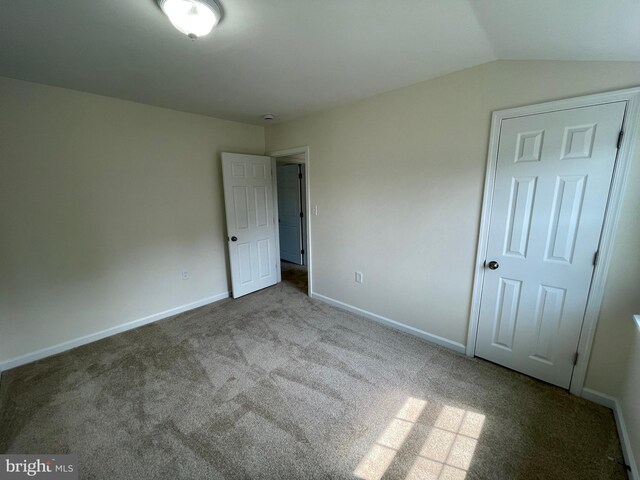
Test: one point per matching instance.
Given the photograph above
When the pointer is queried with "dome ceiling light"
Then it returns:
(194, 18)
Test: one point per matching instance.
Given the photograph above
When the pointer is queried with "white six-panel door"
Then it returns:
(251, 230)
(552, 183)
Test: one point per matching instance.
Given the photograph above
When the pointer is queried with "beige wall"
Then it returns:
(630, 397)
(618, 334)
(398, 181)
(103, 203)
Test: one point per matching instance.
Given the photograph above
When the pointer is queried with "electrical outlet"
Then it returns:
(359, 277)
(186, 275)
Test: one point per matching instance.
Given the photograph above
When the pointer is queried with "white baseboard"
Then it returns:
(444, 342)
(613, 403)
(600, 398)
(68, 345)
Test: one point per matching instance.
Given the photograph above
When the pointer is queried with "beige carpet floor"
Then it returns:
(276, 385)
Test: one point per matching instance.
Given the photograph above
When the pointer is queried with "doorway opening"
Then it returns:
(292, 201)
(291, 221)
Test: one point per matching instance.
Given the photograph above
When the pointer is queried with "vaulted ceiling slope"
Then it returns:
(293, 57)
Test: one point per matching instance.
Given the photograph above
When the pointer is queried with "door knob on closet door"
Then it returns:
(234, 239)
(493, 265)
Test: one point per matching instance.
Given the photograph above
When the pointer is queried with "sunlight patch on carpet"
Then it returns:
(446, 453)
(449, 448)
(377, 460)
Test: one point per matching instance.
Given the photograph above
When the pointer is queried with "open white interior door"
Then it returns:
(251, 228)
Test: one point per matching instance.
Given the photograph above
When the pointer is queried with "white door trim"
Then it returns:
(307, 184)
(612, 216)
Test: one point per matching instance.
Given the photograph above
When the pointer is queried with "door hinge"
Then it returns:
(302, 252)
(575, 359)
(301, 214)
(300, 176)
(620, 135)
(595, 258)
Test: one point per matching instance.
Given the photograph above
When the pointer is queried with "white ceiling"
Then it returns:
(293, 57)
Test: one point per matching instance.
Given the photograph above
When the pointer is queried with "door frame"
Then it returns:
(304, 150)
(630, 127)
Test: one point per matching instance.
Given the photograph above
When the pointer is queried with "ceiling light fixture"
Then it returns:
(194, 18)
